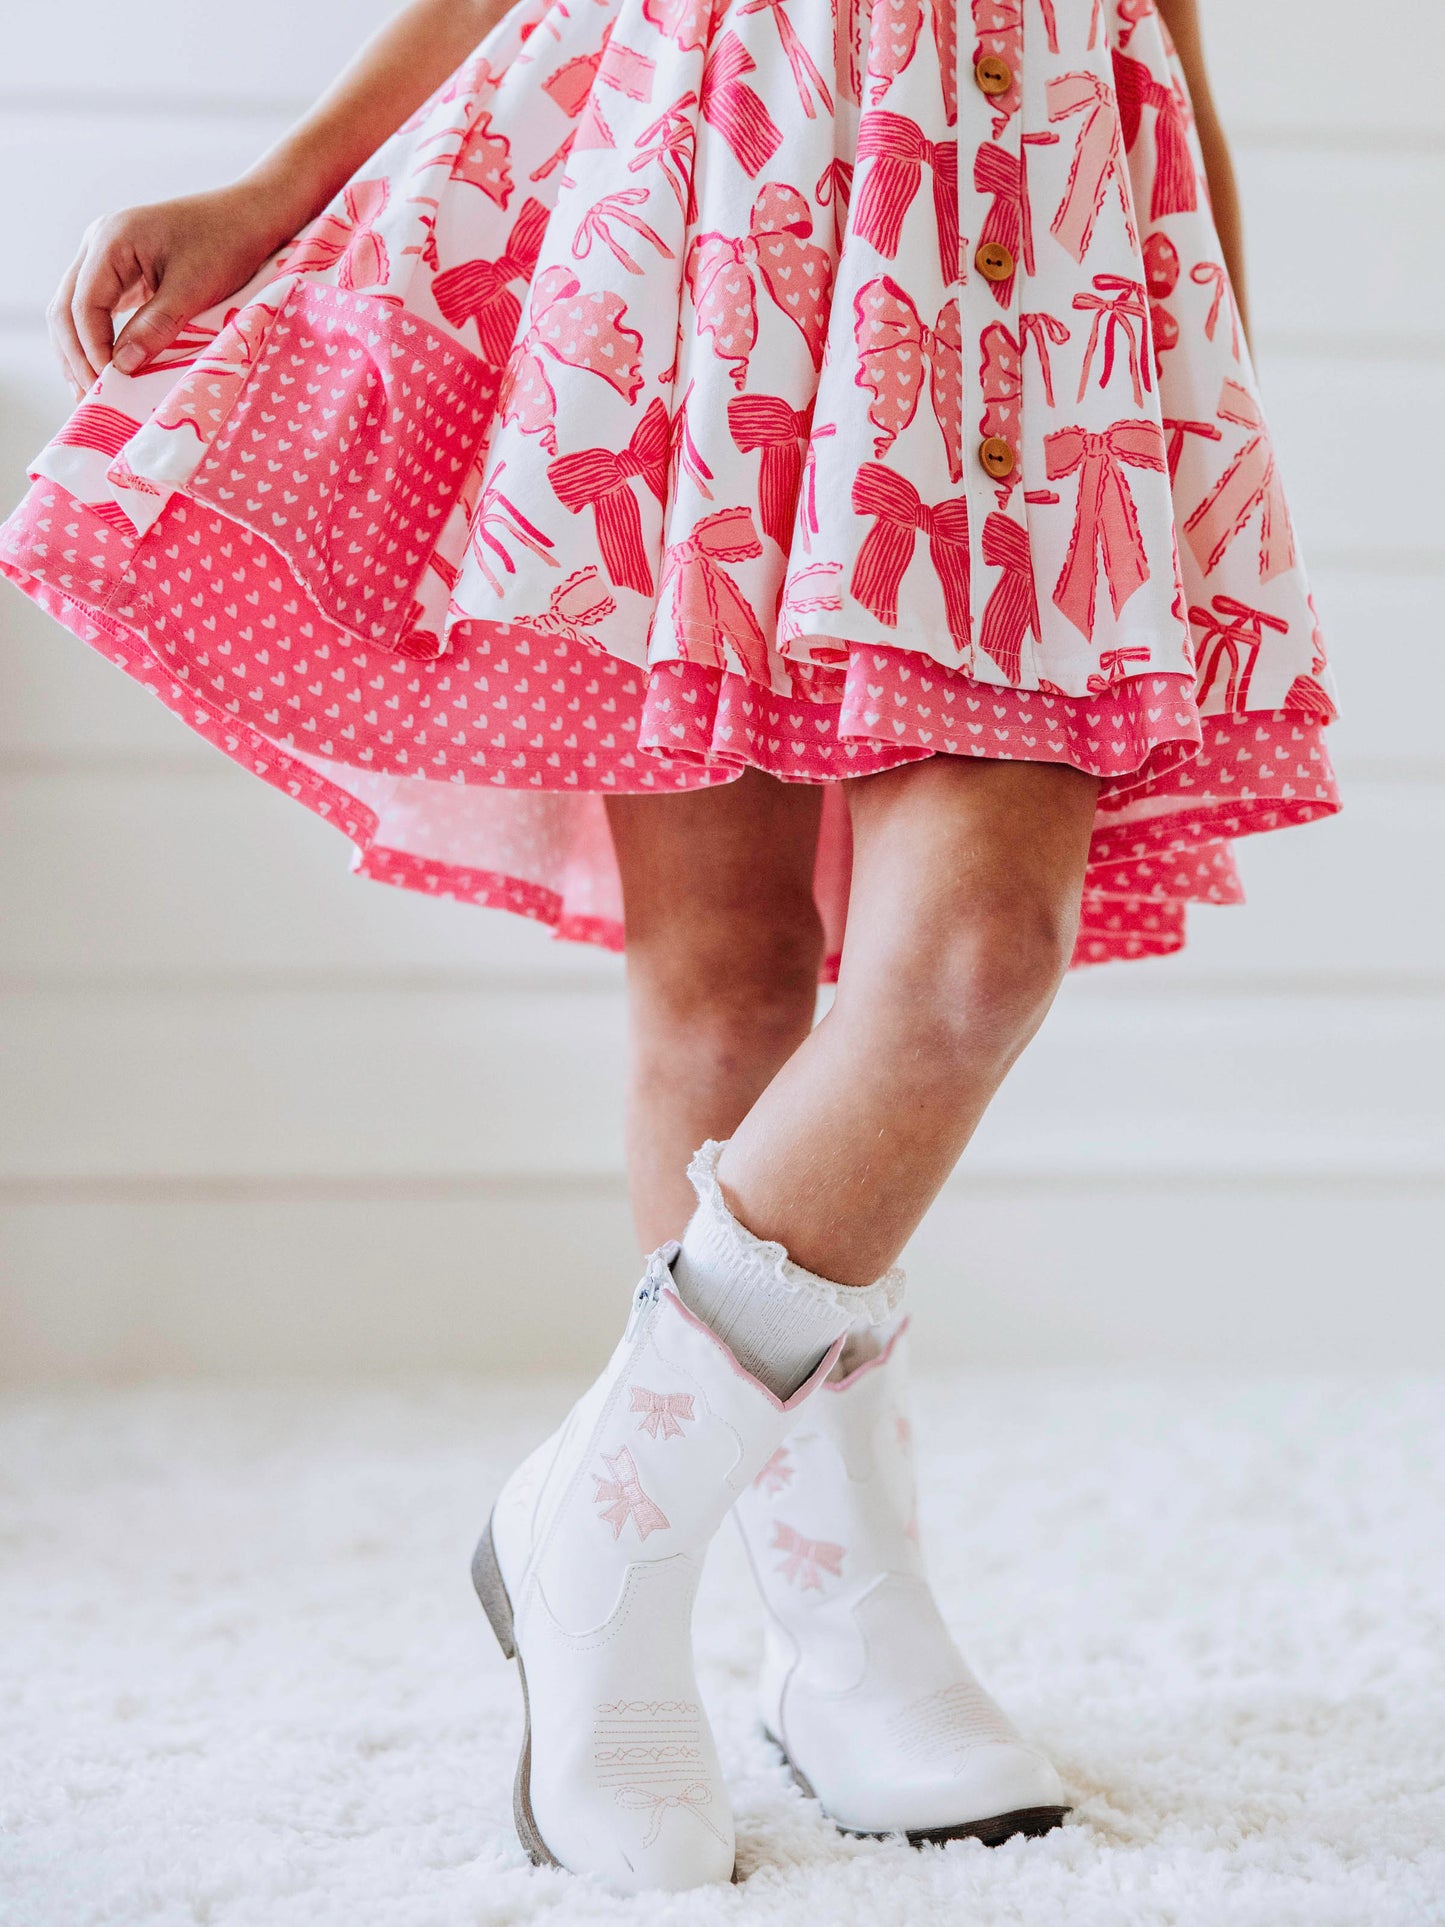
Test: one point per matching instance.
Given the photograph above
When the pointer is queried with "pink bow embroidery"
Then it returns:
(709, 610)
(1106, 523)
(622, 1498)
(349, 238)
(1012, 610)
(1098, 159)
(599, 479)
(579, 331)
(1175, 189)
(805, 1561)
(1250, 482)
(796, 272)
(734, 108)
(1233, 638)
(899, 151)
(780, 431)
(1042, 329)
(895, 352)
(1117, 303)
(663, 1413)
(1175, 429)
(806, 76)
(1205, 274)
(901, 516)
(479, 290)
(688, 1799)
(777, 1472)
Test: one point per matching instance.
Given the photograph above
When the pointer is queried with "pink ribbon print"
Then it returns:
(806, 75)
(1250, 482)
(1233, 638)
(480, 291)
(796, 272)
(1098, 159)
(895, 354)
(734, 108)
(1175, 190)
(899, 151)
(710, 611)
(780, 431)
(1106, 523)
(601, 479)
(1012, 611)
(901, 516)
(1004, 176)
(1117, 303)
(349, 238)
(579, 331)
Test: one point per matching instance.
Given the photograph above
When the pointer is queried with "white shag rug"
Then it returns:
(243, 1681)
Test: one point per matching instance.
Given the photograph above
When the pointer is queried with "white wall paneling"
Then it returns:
(259, 1115)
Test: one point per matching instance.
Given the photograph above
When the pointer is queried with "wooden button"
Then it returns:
(993, 261)
(993, 75)
(997, 457)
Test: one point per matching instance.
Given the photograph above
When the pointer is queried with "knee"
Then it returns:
(980, 968)
(724, 978)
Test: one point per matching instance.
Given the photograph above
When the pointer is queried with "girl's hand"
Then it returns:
(168, 262)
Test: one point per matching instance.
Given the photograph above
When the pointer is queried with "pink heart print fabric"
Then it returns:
(697, 386)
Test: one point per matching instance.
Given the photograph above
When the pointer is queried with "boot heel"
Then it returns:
(487, 1578)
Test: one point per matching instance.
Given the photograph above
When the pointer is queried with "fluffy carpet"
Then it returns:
(243, 1681)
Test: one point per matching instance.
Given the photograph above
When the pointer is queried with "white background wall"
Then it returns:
(259, 1115)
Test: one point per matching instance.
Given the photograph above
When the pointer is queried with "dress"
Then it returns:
(702, 383)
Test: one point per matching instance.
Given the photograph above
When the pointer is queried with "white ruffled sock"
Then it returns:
(776, 1318)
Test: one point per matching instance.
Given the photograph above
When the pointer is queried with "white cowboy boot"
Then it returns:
(863, 1689)
(588, 1570)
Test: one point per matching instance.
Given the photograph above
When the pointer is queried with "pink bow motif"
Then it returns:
(1175, 429)
(610, 210)
(480, 291)
(1131, 12)
(1106, 523)
(895, 352)
(1233, 638)
(1304, 693)
(1001, 383)
(684, 22)
(805, 1561)
(1117, 303)
(601, 479)
(1175, 190)
(806, 76)
(575, 606)
(482, 158)
(734, 108)
(1098, 159)
(348, 238)
(899, 151)
(579, 331)
(1114, 667)
(901, 517)
(999, 25)
(808, 516)
(709, 610)
(780, 431)
(1012, 610)
(848, 50)
(663, 1413)
(622, 1498)
(205, 394)
(892, 42)
(796, 272)
(777, 1472)
(1051, 25)
(95, 425)
(1041, 329)
(685, 455)
(688, 1799)
(670, 143)
(835, 189)
(1250, 482)
(1161, 278)
(493, 518)
(1008, 221)
(1205, 274)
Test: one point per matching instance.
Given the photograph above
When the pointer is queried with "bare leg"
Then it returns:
(967, 878)
(723, 949)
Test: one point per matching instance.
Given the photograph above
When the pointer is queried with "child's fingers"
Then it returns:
(69, 349)
(98, 290)
(156, 325)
